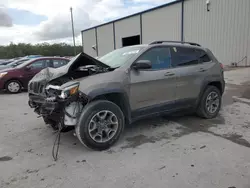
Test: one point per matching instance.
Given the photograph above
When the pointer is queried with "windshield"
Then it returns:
(118, 57)
(17, 62)
(23, 64)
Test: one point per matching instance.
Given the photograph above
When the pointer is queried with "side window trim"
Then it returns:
(151, 49)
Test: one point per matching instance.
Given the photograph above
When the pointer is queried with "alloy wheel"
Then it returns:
(212, 102)
(103, 126)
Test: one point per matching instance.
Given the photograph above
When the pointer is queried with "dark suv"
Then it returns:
(98, 97)
(13, 79)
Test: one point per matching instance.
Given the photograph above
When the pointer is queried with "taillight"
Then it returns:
(221, 65)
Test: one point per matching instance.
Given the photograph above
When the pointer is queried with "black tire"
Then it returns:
(83, 124)
(202, 110)
(16, 82)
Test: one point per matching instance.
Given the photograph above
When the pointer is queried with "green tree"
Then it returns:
(22, 49)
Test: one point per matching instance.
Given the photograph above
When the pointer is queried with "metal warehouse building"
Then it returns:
(223, 26)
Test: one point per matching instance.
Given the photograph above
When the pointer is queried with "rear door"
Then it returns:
(190, 73)
(153, 90)
(59, 62)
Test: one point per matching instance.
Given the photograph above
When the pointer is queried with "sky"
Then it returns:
(37, 21)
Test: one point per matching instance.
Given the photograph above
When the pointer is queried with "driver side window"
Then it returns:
(40, 64)
(160, 57)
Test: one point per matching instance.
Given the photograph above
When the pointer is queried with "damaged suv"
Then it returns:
(98, 97)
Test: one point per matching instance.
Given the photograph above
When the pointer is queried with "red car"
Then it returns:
(15, 79)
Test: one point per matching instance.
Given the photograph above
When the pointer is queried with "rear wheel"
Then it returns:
(100, 125)
(13, 86)
(210, 103)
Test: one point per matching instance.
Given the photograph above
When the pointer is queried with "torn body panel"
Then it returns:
(60, 94)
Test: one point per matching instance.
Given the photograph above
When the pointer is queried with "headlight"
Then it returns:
(69, 91)
(2, 74)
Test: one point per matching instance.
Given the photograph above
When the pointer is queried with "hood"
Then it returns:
(101, 82)
(2, 67)
(6, 69)
(49, 74)
(81, 59)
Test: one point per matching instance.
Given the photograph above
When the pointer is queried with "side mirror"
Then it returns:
(27, 68)
(142, 64)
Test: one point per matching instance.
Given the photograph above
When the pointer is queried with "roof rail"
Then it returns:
(180, 42)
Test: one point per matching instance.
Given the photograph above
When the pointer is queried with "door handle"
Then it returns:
(169, 74)
(202, 70)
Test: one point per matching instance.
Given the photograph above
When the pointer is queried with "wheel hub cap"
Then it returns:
(103, 126)
(212, 102)
(13, 87)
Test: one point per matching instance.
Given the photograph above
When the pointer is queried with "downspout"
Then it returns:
(114, 35)
(182, 20)
(141, 28)
(82, 42)
(96, 42)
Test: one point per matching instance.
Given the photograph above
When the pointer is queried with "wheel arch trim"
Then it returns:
(104, 91)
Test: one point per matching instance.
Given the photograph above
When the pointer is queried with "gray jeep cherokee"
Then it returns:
(98, 98)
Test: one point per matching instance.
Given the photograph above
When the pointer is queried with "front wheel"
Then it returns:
(210, 103)
(100, 125)
(13, 86)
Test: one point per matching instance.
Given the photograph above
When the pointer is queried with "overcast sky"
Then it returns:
(34, 21)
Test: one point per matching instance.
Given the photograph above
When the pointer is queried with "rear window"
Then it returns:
(182, 56)
(203, 56)
(59, 62)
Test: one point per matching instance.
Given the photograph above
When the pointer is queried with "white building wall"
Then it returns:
(105, 39)
(224, 29)
(89, 39)
(162, 24)
(126, 28)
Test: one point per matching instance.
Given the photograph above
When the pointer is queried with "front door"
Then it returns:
(34, 68)
(153, 90)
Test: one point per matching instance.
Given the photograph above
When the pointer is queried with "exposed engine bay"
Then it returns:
(55, 95)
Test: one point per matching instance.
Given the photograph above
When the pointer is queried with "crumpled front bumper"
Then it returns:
(64, 111)
(48, 104)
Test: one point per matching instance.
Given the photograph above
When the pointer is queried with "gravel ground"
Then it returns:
(180, 151)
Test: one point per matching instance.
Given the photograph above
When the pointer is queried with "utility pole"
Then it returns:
(73, 31)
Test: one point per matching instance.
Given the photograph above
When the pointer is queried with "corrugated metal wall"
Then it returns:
(126, 28)
(105, 39)
(224, 29)
(89, 39)
(162, 24)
